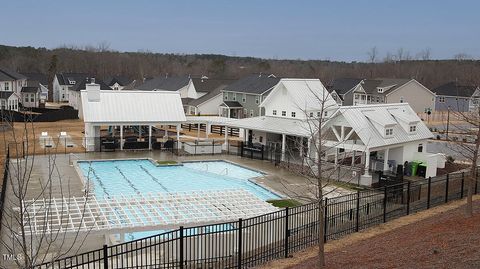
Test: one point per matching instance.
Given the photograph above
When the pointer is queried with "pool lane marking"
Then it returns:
(154, 178)
(128, 181)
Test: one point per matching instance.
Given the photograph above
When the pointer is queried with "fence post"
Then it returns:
(357, 221)
(476, 182)
(463, 181)
(287, 232)
(239, 262)
(241, 149)
(325, 220)
(105, 256)
(181, 248)
(408, 197)
(213, 146)
(385, 204)
(263, 148)
(429, 191)
(446, 188)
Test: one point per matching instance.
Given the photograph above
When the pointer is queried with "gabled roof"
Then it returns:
(81, 85)
(8, 75)
(5, 94)
(165, 83)
(39, 77)
(133, 107)
(389, 84)
(65, 78)
(204, 84)
(255, 84)
(307, 94)
(360, 119)
(231, 104)
(454, 89)
(30, 89)
(343, 85)
(288, 126)
(121, 80)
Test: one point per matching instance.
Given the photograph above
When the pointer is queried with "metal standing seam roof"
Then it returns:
(133, 107)
(216, 120)
(148, 212)
(278, 125)
(357, 118)
(307, 94)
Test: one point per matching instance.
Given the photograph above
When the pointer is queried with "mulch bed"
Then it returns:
(447, 240)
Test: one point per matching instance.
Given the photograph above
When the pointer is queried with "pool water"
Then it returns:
(130, 177)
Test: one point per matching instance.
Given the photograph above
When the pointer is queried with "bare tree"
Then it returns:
(424, 54)
(321, 176)
(372, 55)
(26, 243)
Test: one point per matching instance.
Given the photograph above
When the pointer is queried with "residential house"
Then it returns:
(9, 100)
(181, 84)
(42, 81)
(384, 90)
(456, 97)
(62, 82)
(74, 96)
(210, 96)
(12, 81)
(118, 83)
(242, 98)
(30, 95)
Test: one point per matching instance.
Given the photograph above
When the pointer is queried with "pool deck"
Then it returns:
(67, 182)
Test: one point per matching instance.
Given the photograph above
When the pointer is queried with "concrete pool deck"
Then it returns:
(67, 182)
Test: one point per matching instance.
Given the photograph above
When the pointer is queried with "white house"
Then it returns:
(74, 98)
(118, 83)
(9, 100)
(30, 95)
(182, 85)
(62, 82)
(12, 81)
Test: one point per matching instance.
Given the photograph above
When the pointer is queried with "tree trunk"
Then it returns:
(321, 211)
(473, 176)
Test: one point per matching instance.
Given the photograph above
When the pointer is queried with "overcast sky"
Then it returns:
(334, 30)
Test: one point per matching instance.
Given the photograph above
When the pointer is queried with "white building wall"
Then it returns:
(210, 107)
(413, 93)
(282, 102)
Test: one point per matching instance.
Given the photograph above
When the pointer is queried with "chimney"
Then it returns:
(93, 91)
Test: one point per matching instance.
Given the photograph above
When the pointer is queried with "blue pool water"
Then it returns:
(130, 177)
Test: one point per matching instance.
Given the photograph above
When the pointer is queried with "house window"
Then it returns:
(441, 99)
(420, 147)
(413, 128)
(245, 112)
(378, 99)
(260, 139)
(284, 113)
(293, 114)
(380, 90)
(389, 132)
(311, 114)
(26, 98)
(274, 112)
(401, 99)
(257, 100)
(234, 97)
(32, 98)
(251, 113)
(244, 98)
(234, 113)
(319, 114)
(7, 86)
(325, 113)
(226, 96)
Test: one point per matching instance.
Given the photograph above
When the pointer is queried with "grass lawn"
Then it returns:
(284, 203)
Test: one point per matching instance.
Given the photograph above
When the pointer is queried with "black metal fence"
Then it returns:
(4, 186)
(249, 242)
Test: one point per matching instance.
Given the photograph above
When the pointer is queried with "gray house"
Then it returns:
(461, 98)
(242, 98)
(349, 91)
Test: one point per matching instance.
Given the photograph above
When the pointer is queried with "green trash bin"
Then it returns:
(415, 167)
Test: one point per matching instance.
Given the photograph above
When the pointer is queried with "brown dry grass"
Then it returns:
(441, 237)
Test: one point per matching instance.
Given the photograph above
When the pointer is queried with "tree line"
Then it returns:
(102, 62)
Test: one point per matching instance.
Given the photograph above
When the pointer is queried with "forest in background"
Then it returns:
(100, 61)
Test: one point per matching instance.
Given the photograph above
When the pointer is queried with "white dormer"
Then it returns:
(388, 131)
(71, 81)
(380, 90)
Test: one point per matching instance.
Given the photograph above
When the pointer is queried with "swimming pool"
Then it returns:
(130, 177)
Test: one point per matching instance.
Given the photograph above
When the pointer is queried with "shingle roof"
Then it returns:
(165, 83)
(210, 84)
(39, 77)
(208, 96)
(256, 84)
(371, 85)
(231, 104)
(5, 94)
(30, 89)
(81, 85)
(121, 80)
(343, 85)
(12, 74)
(64, 78)
(453, 89)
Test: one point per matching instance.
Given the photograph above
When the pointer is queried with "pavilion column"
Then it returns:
(336, 156)
(121, 137)
(207, 129)
(284, 142)
(150, 137)
(228, 112)
(367, 162)
(166, 131)
(385, 158)
(198, 131)
(139, 131)
(178, 136)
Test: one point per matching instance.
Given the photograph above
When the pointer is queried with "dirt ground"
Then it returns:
(442, 237)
